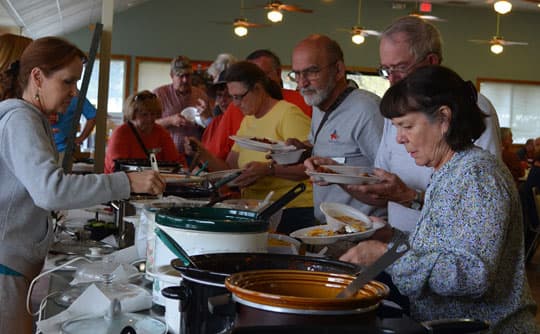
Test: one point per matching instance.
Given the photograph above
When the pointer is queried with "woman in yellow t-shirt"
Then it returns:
(268, 116)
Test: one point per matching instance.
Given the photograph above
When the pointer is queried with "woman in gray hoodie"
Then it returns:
(33, 184)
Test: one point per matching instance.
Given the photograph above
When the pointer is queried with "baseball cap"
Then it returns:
(181, 64)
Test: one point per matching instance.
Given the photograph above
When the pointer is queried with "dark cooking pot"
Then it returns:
(208, 281)
(279, 299)
(290, 297)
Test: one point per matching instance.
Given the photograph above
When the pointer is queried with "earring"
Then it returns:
(36, 97)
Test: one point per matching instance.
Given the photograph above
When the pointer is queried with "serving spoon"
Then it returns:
(400, 247)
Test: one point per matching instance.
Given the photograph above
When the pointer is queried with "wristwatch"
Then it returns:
(418, 201)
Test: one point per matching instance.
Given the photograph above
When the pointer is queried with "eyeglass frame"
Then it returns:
(310, 73)
(238, 98)
(394, 69)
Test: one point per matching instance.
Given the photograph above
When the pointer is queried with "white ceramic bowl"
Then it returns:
(287, 157)
(336, 214)
(282, 244)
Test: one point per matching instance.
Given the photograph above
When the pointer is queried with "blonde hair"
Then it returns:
(143, 100)
(11, 48)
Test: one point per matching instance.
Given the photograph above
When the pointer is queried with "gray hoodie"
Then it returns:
(32, 184)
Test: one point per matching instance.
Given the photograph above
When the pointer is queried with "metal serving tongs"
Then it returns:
(153, 163)
(400, 247)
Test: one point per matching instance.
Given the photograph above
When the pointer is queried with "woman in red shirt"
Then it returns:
(140, 113)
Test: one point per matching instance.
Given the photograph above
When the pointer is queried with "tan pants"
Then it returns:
(13, 315)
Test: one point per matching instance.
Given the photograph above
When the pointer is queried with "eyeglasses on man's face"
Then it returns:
(401, 69)
(310, 74)
(239, 97)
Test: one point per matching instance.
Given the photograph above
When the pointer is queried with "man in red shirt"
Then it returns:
(219, 142)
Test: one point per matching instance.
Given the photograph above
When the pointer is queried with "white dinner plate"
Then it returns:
(180, 178)
(303, 234)
(345, 175)
(251, 144)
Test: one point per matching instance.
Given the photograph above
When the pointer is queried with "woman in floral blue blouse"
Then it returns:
(466, 258)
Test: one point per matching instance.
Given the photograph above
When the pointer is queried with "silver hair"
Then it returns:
(222, 62)
(424, 37)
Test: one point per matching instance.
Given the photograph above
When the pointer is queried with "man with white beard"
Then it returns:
(346, 124)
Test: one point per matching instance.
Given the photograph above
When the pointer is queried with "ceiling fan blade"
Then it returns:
(428, 17)
(255, 25)
(293, 8)
(371, 32)
(480, 41)
(505, 42)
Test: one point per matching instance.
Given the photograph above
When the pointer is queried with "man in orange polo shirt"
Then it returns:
(219, 143)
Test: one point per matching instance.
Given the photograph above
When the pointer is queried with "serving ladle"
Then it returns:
(174, 247)
(400, 247)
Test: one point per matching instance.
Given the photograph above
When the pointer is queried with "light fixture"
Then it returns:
(496, 48)
(275, 16)
(502, 7)
(240, 31)
(358, 38)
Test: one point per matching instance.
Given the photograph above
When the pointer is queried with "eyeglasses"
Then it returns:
(146, 95)
(240, 97)
(386, 71)
(146, 114)
(310, 73)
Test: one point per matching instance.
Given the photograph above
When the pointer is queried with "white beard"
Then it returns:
(314, 97)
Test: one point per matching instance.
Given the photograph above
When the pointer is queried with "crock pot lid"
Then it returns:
(211, 219)
(142, 324)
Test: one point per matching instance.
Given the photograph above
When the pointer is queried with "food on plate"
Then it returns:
(272, 242)
(321, 232)
(353, 224)
(321, 169)
(347, 229)
(263, 140)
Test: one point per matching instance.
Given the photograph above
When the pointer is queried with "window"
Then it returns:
(516, 103)
(118, 78)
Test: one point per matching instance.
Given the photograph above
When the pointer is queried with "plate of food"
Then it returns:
(326, 234)
(344, 174)
(180, 178)
(340, 215)
(262, 144)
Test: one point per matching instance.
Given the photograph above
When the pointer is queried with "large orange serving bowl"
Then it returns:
(300, 296)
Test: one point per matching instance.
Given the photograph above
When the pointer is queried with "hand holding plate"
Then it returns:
(391, 188)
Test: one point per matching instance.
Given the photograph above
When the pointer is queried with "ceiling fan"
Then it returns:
(241, 24)
(358, 33)
(275, 9)
(497, 42)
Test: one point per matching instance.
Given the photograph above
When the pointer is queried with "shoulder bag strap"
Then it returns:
(136, 133)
